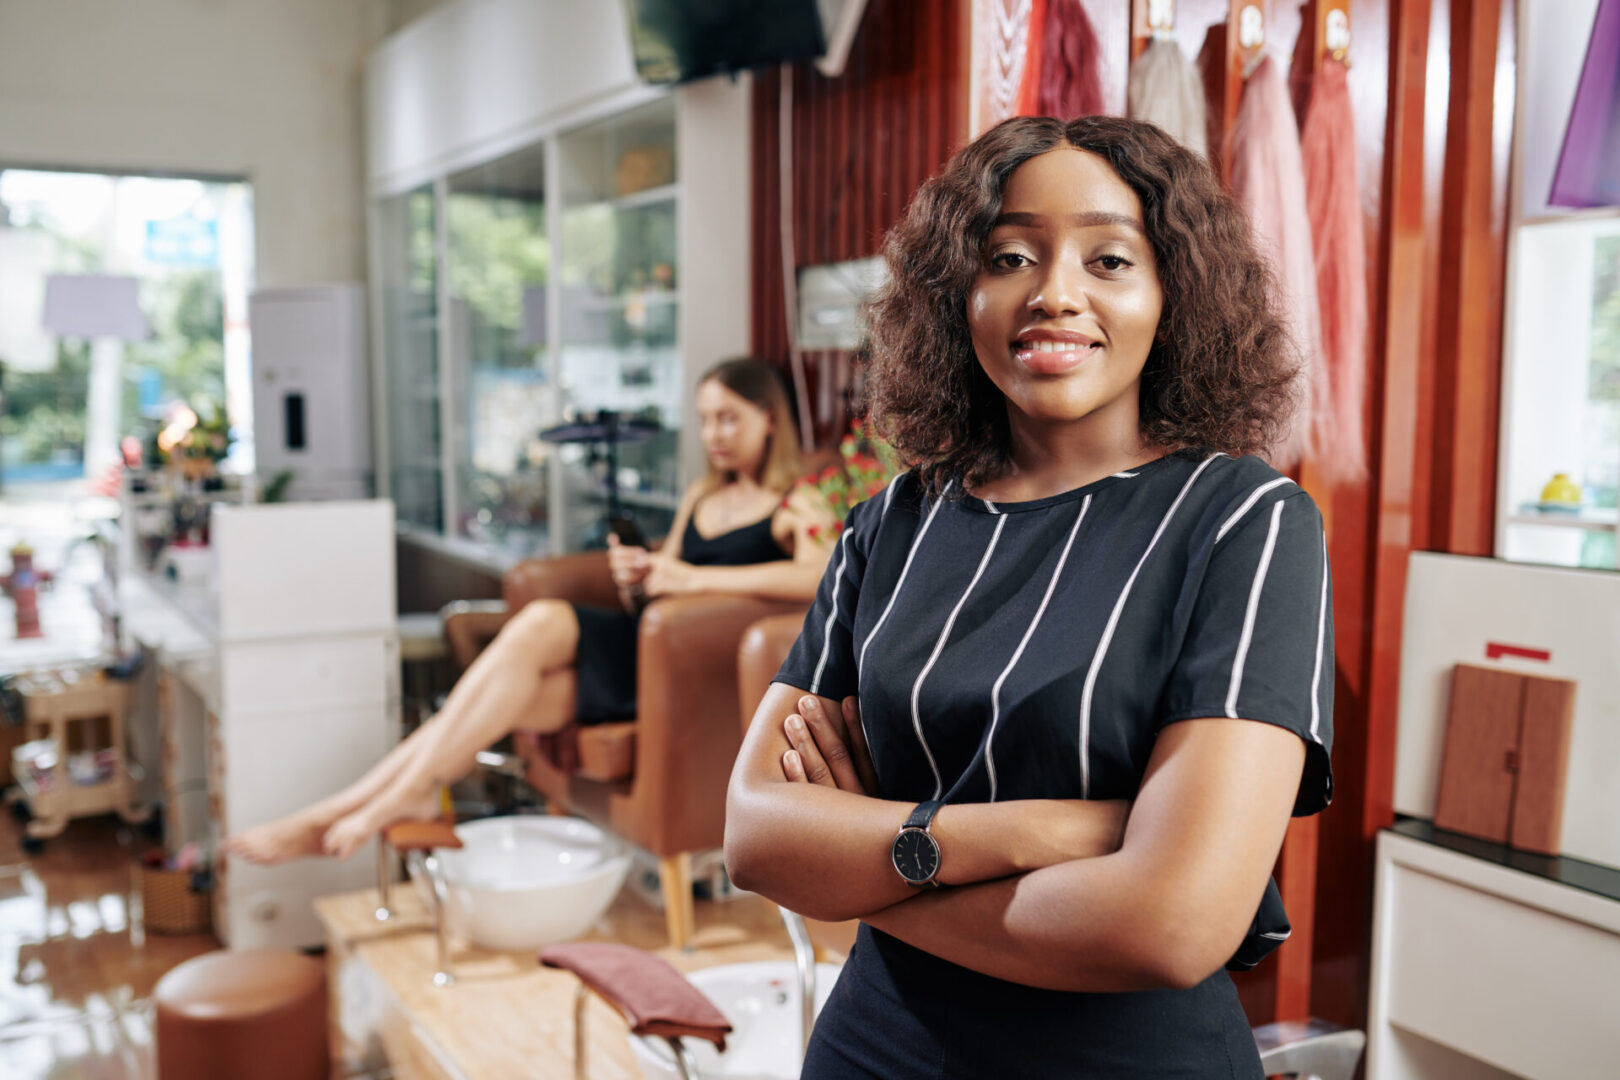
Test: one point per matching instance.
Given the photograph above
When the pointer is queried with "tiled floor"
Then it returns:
(75, 976)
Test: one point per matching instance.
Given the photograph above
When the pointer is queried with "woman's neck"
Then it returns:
(738, 482)
(1048, 458)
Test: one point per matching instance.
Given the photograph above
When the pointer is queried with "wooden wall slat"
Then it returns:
(1472, 250)
(862, 144)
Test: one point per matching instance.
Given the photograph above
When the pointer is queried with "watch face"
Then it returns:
(915, 855)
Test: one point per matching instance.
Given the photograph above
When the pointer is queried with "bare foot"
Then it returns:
(295, 837)
(351, 831)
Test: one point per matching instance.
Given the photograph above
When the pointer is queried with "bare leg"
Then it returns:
(541, 638)
(299, 834)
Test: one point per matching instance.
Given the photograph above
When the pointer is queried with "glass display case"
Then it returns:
(577, 264)
(619, 292)
(503, 392)
(407, 273)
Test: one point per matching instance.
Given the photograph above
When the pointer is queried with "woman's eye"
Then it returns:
(1112, 263)
(1009, 260)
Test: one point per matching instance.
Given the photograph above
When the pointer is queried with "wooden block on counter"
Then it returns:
(1506, 755)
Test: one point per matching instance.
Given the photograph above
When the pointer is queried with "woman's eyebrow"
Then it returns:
(1086, 220)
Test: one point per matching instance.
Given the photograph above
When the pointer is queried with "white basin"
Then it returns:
(527, 882)
(762, 1002)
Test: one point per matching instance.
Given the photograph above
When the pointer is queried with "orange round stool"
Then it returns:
(247, 1015)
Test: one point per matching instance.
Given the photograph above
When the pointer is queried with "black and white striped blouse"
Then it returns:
(1036, 649)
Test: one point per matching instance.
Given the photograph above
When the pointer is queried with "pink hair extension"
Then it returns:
(1268, 179)
(1333, 201)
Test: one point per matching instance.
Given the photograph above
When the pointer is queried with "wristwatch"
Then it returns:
(915, 852)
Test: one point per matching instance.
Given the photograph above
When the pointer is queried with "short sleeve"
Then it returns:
(823, 659)
(1259, 644)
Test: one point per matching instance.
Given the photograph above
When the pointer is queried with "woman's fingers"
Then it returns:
(831, 741)
(811, 758)
(857, 745)
(793, 767)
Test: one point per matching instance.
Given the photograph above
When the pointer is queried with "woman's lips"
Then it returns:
(1046, 357)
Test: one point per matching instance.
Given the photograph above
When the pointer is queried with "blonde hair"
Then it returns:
(758, 384)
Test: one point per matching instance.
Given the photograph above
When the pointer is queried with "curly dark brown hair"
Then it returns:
(1219, 376)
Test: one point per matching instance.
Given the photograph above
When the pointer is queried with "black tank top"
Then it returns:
(739, 547)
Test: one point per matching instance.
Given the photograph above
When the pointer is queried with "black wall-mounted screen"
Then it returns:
(676, 41)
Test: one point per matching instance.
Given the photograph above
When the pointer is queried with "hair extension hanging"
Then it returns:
(1268, 179)
(1165, 90)
(1333, 201)
(1071, 58)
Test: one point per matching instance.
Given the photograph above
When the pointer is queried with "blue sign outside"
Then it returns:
(183, 241)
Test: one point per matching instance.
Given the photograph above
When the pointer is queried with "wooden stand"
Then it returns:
(50, 705)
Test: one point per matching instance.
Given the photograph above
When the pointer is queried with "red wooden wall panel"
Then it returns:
(862, 143)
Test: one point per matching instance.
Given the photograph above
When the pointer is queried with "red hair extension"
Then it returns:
(1071, 59)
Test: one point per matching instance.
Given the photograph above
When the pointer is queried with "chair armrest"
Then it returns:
(583, 578)
(765, 646)
(469, 627)
(687, 728)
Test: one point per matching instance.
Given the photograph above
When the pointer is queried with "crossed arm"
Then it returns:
(1047, 893)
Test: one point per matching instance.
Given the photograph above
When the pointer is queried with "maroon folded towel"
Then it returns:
(654, 997)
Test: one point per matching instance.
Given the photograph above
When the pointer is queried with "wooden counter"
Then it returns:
(505, 1016)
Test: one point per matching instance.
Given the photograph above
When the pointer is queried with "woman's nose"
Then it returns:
(1060, 290)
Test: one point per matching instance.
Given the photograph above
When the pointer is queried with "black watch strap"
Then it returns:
(923, 816)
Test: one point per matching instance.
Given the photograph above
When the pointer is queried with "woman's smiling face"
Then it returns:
(1066, 308)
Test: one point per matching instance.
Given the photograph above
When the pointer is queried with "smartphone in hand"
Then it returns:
(628, 532)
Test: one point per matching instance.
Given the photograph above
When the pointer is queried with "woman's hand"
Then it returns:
(629, 565)
(827, 750)
(667, 576)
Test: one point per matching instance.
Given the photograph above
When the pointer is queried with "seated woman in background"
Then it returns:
(554, 663)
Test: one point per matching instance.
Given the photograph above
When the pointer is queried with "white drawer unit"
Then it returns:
(278, 684)
(1485, 964)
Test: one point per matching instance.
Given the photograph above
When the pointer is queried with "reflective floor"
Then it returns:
(75, 977)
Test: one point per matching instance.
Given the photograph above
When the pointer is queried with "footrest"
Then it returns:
(421, 835)
(651, 995)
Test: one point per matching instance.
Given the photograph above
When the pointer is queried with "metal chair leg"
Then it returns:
(685, 1064)
(441, 904)
(804, 960)
(385, 873)
(582, 995)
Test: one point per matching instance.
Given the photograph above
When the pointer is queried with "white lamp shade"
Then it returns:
(94, 305)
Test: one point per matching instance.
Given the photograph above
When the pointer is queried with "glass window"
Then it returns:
(620, 303)
(1562, 451)
(407, 271)
(497, 262)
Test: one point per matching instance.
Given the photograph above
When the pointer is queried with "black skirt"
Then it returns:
(605, 665)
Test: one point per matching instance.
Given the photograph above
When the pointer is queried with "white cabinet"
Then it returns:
(1484, 970)
(279, 685)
